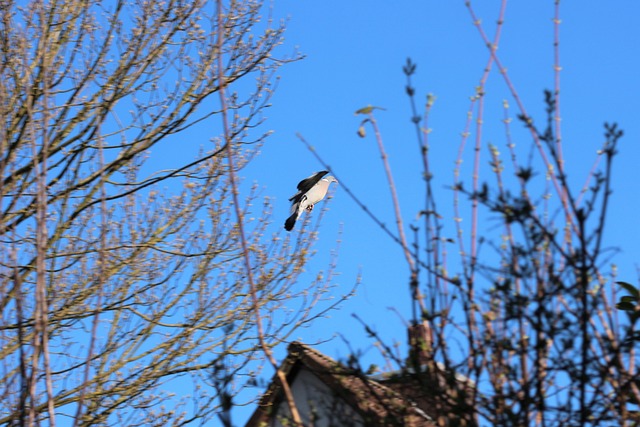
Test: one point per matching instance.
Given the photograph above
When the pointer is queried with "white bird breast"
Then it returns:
(317, 192)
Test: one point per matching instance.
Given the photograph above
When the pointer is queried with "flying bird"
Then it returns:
(310, 191)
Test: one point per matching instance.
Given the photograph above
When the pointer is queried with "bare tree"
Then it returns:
(123, 287)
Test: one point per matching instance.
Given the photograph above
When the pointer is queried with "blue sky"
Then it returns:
(354, 53)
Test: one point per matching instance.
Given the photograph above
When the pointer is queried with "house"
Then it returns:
(330, 394)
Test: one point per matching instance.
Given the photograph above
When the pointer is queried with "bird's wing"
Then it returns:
(296, 197)
(300, 204)
(308, 183)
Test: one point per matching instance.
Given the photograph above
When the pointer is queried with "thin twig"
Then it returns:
(557, 68)
(99, 279)
(239, 216)
(523, 110)
(394, 193)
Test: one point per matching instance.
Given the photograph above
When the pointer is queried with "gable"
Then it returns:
(317, 403)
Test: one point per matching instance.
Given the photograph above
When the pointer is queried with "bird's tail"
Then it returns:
(291, 221)
(295, 213)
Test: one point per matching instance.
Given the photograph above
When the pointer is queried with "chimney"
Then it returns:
(420, 343)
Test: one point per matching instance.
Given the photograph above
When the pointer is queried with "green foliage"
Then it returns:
(630, 303)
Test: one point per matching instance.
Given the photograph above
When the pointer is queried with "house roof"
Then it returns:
(375, 402)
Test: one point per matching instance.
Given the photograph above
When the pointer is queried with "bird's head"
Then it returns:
(330, 179)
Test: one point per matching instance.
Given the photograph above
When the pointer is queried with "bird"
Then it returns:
(310, 191)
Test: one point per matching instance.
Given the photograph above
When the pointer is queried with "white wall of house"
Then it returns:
(317, 404)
